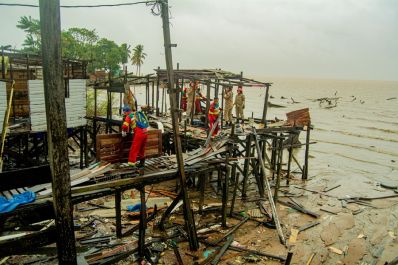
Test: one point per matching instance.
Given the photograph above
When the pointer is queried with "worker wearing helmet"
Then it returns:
(214, 111)
(137, 122)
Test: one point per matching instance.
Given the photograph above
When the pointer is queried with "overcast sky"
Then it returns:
(342, 39)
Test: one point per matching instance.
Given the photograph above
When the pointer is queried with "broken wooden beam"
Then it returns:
(298, 208)
(269, 193)
(231, 231)
(222, 250)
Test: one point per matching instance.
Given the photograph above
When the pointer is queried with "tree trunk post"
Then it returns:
(189, 221)
(54, 95)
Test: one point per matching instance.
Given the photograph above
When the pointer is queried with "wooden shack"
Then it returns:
(25, 142)
(28, 98)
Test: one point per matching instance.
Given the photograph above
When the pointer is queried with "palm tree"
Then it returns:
(32, 27)
(138, 57)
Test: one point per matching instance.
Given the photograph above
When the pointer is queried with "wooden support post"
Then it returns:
(142, 225)
(3, 68)
(236, 178)
(279, 168)
(219, 176)
(307, 150)
(177, 86)
(193, 110)
(54, 95)
(288, 258)
(207, 104)
(289, 161)
(118, 210)
(225, 194)
(153, 95)
(246, 165)
(5, 124)
(261, 174)
(157, 93)
(147, 90)
(273, 156)
(223, 107)
(264, 119)
(85, 146)
(81, 146)
(162, 110)
(202, 191)
(189, 220)
(216, 89)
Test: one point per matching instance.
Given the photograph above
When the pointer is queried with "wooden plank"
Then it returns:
(147, 179)
(7, 194)
(19, 245)
(20, 190)
(14, 192)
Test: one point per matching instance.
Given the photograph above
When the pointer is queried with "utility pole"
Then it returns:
(189, 221)
(54, 95)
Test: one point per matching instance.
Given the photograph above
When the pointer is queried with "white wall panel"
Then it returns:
(3, 103)
(75, 105)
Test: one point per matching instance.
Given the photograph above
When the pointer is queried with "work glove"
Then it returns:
(124, 134)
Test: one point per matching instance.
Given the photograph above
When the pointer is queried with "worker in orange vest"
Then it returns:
(137, 122)
(184, 99)
(214, 111)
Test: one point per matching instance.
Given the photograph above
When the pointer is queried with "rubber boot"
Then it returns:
(141, 165)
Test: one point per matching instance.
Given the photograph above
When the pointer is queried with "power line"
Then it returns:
(84, 6)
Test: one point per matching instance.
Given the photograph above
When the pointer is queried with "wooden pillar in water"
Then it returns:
(54, 95)
(289, 161)
(264, 119)
(189, 220)
(307, 150)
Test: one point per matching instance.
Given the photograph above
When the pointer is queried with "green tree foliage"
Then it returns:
(138, 57)
(31, 26)
(81, 44)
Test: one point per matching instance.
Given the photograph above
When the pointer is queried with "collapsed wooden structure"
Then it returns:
(218, 157)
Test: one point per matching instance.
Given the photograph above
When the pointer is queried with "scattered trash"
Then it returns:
(336, 250)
